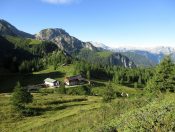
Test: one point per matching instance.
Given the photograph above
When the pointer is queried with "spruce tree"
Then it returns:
(20, 97)
(163, 79)
(88, 75)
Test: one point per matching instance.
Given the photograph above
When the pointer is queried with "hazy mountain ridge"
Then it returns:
(101, 46)
(150, 56)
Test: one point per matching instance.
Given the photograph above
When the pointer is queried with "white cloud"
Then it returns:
(60, 1)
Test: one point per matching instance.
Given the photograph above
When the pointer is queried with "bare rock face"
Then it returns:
(119, 59)
(63, 40)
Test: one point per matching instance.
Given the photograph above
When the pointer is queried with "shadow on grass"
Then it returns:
(37, 111)
(131, 85)
(97, 84)
(8, 82)
(66, 101)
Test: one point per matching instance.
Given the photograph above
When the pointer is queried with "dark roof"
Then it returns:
(77, 77)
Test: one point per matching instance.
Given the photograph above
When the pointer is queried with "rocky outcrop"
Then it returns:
(63, 40)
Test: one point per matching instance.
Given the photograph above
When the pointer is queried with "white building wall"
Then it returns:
(50, 84)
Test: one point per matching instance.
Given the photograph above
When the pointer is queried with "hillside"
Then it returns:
(57, 112)
(7, 29)
(139, 59)
(157, 115)
(146, 57)
(105, 58)
(30, 49)
(15, 50)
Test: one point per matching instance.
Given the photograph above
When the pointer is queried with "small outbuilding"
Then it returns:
(51, 82)
(73, 80)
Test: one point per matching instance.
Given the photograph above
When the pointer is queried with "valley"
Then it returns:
(124, 91)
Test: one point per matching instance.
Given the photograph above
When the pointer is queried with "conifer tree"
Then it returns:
(163, 79)
(20, 97)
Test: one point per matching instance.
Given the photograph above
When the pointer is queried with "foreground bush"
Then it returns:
(156, 116)
(109, 93)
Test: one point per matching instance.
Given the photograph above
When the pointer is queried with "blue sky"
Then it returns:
(142, 23)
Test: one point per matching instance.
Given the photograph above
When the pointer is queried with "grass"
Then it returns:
(35, 42)
(104, 54)
(53, 108)
(8, 81)
(67, 113)
(67, 70)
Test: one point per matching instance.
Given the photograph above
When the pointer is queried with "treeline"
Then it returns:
(135, 76)
(56, 58)
(118, 75)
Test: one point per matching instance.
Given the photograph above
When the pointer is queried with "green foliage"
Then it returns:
(109, 93)
(19, 55)
(163, 79)
(127, 76)
(20, 97)
(157, 115)
(61, 89)
(104, 58)
(135, 85)
(31, 66)
(104, 54)
(57, 58)
(35, 42)
(88, 75)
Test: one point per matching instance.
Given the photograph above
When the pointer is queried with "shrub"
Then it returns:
(61, 90)
(109, 93)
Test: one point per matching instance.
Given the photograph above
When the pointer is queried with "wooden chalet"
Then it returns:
(74, 80)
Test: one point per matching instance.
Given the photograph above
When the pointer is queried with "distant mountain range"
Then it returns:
(142, 56)
(101, 46)
(66, 42)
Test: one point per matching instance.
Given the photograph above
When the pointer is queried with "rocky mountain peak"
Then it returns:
(63, 40)
(51, 33)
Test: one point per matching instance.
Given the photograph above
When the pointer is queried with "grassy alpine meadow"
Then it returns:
(46, 109)
(56, 112)
(82, 108)
(35, 42)
(51, 111)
